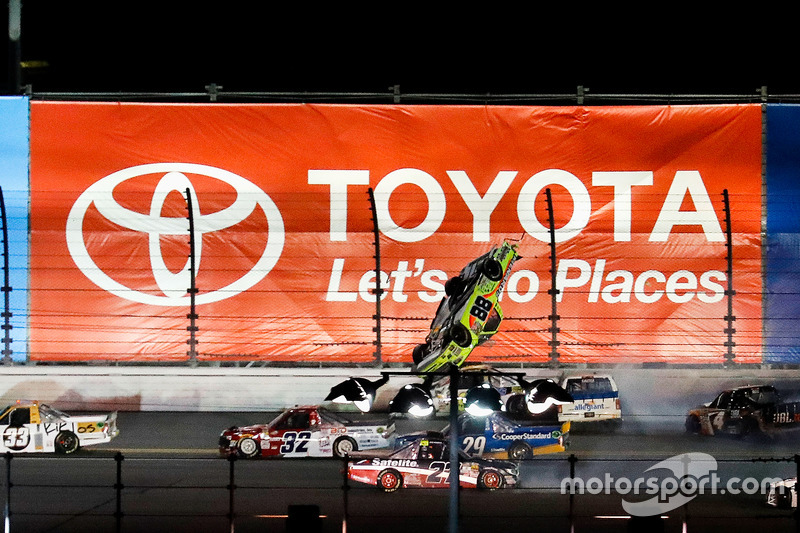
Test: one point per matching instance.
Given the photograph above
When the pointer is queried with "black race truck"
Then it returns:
(744, 410)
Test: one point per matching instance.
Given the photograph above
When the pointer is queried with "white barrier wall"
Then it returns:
(172, 389)
(648, 395)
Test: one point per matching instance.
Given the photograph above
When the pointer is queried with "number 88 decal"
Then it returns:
(480, 309)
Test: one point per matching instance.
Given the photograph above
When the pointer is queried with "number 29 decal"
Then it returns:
(474, 445)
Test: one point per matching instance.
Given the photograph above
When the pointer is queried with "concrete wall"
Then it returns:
(650, 397)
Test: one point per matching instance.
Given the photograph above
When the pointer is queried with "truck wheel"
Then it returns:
(784, 498)
(519, 450)
(460, 335)
(67, 442)
(492, 269)
(418, 353)
(692, 425)
(515, 405)
(453, 285)
(247, 448)
(344, 446)
(747, 426)
(490, 480)
(389, 480)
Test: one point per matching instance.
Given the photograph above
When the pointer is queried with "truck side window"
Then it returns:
(20, 416)
(574, 385)
(738, 401)
(724, 400)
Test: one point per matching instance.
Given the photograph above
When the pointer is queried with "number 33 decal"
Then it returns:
(16, 438)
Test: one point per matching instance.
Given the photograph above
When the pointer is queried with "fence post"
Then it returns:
(572, 460)
(7, 508)
(118, 486)
(797, 511)
(345, 490)
(231, 490)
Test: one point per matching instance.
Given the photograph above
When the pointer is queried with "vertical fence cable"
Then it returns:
(553, 292)
(378, 288)
(729, 292)
(192, 290)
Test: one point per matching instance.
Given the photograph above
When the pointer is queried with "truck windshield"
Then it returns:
(763, 396)
(50, 413)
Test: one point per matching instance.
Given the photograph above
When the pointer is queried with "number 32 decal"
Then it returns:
(295, 442)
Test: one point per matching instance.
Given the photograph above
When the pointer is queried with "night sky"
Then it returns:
(142, 46)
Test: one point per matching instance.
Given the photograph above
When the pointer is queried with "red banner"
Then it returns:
(284, 254)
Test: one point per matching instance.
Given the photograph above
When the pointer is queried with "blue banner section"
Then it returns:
(782, 262)
(14, 157)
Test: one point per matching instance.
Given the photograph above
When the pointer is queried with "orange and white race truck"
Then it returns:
(30, 426)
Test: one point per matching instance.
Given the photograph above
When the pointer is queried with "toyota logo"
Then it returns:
(173, 285)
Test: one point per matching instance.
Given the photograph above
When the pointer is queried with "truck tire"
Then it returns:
(67, 442)
(692, 425)
(519, 450)
(492, 269)
(460, 335)
(515, 405)
(490, 479)
(390, 480)
(343, 446)
(247, 447)
(453, 285)
(418, 353)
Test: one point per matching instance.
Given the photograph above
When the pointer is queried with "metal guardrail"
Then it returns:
(394, 95)
(119, 484)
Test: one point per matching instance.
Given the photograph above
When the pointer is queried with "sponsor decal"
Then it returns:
(588, 407)
(394, 462)
(526, 436)
(172, 285)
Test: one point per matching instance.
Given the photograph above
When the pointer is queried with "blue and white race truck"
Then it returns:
(596, 399)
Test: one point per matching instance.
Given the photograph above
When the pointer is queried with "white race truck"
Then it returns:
(596, 399)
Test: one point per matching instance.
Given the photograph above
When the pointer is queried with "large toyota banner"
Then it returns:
(282, 224)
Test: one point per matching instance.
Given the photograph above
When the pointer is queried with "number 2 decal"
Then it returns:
(294, 442)
(441, 472)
